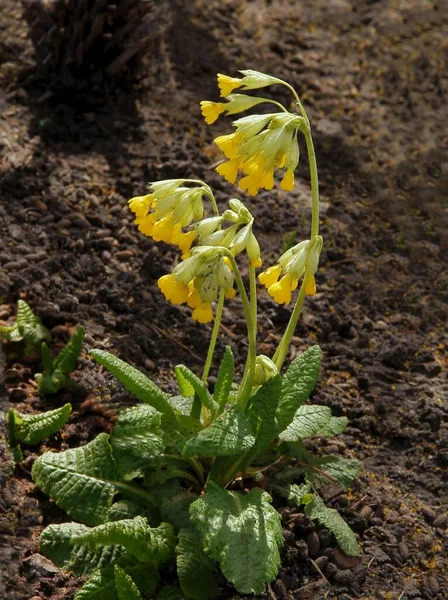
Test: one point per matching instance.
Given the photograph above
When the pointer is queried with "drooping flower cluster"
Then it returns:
(300, 260)
(197, 280)
(261, 143)
(167, 209)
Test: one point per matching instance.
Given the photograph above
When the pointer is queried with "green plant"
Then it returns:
(56, 375)
(166, 483)
(32, 429)
(27, 328)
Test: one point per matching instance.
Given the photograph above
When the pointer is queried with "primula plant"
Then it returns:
(191, 478)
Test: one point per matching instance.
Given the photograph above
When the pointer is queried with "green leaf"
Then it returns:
(198, 386)
(185, 387)
(46, 357)
(87, 472)
(242, 533)
(176, 510)
(309, 420)
(181, 404)
(32, 429)
(134, 381)
(125, 509)
(29, 325)
(262, 416)
(83, 550)
(126, 588)
(294, 492)
(229, 434)
(332, 520)
(135, 439)
(170, 592)
(67, 358)
(194, 568)
(335, 426)
(101, 586)
(344, 470)
(224, 380)
(298, 383)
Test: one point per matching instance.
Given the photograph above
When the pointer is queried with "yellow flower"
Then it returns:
(227, 84)
(270, 276)
(229, 170)
(203, 313)
(287, 183)
(281, 291)
(140, 205)
(183, 241)
(228, 144)
(230, 293)
(194, 299)
(250, 183)
(174, 291)
(212, 110)
(146, 224)
(164, 229)
(310, 285)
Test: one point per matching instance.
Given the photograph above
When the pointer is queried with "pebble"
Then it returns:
(17, 394)
(279, 588)
(404, 551)
(150, 365)
(288, 535)
(441, 521)
(330, 570)
(302, 548)
(321, 562)
(12, 376)
(41, 564)
(344, 561)
(324, 538)
(365, 513)
(124, 254)
(313, 543)
(429, 513)
(433, 585)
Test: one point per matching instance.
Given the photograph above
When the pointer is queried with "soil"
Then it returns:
(373, 76)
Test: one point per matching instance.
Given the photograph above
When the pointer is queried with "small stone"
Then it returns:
(302, 548)
(378, 554)
(365, 513)
(324, 538)
(343, 560)
(313, 543)
(12, 376)
(279, 589)
(441, 521)
(17, 394)
(288, 536)
(41, 564)
(429, 513)
(433, 585)
(124, 254)
(404, 551)
(321, 562)
(150, 364)
(330, 570)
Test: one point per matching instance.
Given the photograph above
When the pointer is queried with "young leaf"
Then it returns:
(29, 325)
(242, 533)
(309, 420)
(298, 383)
(344, 470)
(185, 387)
(135, 439)
(335, 426)
(229, 434)
(126, 588)
(101, 586)
(134, 381)
(84, 549)
(332, 520)
(198, 387)
(32, 429)
(86, 473)
(67, 358)
(46, 357)
(294, 492)
(194, 568)
(224, 380)
(262, 417)
(176, 510)
(125, 509)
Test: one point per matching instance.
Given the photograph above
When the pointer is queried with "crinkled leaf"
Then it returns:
(344, 470)
(29, 325)
(224, 379)
(309, 420)
(125, 587)
(125, 509)
(297, 384)
(262, 416)
(335, 426)
(176, 510)
(135, 439)
(101, 586)
(198, 386)
(229, 434)
(83, 550)
(294, 492)
(134, 381)
(332, 520)
(182, 404)
(32, 429)
(162, 468)
(68, 357)
(242, 533)
(194, 568)
(86, 473)
(185, 387)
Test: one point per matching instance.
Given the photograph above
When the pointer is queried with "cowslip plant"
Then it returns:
(191, 477)
(56, 375)
(27, 328)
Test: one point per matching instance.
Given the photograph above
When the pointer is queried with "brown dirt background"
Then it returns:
(373, 76)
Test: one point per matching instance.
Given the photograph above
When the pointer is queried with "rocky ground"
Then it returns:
(374, 79)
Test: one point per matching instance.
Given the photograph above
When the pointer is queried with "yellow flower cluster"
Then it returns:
(301, 259)
(197, 280)
(261, 143)
(163, 213)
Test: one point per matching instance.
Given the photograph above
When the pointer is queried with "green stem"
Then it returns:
(211, 348)
(282, 349)
(314, 183)
(208, 192)
(133, 490)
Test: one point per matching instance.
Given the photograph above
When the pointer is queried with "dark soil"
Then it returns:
(374, 78)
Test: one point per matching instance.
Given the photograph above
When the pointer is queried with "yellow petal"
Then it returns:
(270, 276)
(310, 285)
(211, 110)
(250, 183)
(228, 170)
(287, 183)
(281, 291)
(203, 313)
(227, 84)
